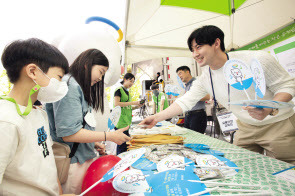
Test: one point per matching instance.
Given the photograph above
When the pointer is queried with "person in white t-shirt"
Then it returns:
(27, 165)
(267, 130)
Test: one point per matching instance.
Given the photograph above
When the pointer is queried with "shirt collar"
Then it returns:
(189, 82)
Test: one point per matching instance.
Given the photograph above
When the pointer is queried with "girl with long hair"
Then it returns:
(72, 121)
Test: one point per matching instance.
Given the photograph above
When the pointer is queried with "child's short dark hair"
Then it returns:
(154, 87)
(183, 68)
(206, 35)
(23, 52)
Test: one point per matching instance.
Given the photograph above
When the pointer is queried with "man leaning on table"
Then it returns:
(260, 130)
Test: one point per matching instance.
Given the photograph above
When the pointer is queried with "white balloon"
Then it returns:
(87, 37)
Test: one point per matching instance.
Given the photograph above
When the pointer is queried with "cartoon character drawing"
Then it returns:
(214, 162)
(236, 72)
(174, 164)
(257, 77)
(120, 165)
(201, 172)
(134, 178)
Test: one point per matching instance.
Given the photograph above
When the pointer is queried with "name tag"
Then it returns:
(227, 121)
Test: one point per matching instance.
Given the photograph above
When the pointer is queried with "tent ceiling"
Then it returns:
(218, 6)
(155, 30)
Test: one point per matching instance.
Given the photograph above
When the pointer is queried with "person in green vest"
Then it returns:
(123, 99)
(159, 98)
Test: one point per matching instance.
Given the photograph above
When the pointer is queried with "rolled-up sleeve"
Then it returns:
(191, 97)
(68, 112)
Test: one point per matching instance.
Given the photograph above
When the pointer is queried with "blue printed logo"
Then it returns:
(42, 136)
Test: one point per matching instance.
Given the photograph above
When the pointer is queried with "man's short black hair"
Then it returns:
(154, 87)
(158, 73)
(183, 68)
(206, 35)
(20, 53)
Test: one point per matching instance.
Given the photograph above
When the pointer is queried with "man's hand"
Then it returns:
(149, 121)
(118, 136)
(258, 113)
(100, 148)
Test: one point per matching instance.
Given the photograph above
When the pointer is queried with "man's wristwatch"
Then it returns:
(274, 112)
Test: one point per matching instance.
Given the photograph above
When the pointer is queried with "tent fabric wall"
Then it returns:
(155, 30)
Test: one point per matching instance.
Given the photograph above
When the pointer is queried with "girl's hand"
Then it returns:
(119, 137)
(100, 148)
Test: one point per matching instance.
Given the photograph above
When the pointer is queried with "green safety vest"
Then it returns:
(157, 101)
(126, 112)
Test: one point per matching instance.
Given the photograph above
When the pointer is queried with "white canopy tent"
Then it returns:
(158, 29)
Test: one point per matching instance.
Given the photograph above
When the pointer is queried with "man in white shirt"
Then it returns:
(267, 129)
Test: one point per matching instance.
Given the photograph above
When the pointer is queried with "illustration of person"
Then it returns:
(175, 164)
(134, 178)
(236, 72)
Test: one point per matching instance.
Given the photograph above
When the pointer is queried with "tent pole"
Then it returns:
(125, 32)
(232, 17)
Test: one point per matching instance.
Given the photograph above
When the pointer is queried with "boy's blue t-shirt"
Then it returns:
(66, 118)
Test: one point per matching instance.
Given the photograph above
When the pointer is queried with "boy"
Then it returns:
(27, 164)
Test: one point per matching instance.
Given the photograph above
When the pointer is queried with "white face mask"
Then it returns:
(55, 91)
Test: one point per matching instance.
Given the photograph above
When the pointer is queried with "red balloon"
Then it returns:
(95, 172)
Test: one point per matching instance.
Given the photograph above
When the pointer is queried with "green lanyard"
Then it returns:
(30, 104)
